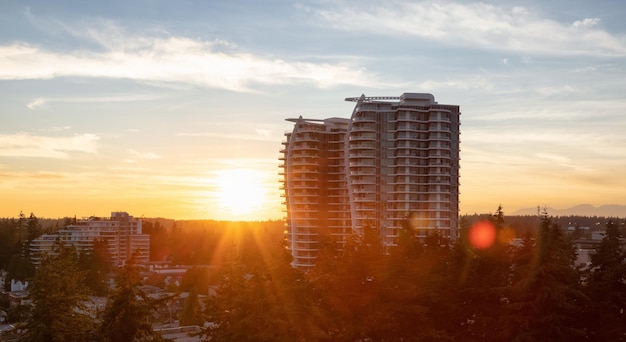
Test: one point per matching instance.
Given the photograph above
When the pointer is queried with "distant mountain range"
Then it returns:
(609, 210)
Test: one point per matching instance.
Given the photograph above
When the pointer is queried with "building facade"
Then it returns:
(395, 160)
(121, 232)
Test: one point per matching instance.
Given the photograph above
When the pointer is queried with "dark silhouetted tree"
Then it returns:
(546, 301)
(607, 287)
(192, 311)
(128, 311)
(479, 276)
(33, 231)
(59, 297)
(97, 267)
(267, 300)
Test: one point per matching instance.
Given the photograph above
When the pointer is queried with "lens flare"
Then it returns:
(482, 234)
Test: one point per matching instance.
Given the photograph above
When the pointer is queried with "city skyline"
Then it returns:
(178, 109)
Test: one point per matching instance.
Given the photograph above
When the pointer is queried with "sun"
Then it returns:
(240, 191)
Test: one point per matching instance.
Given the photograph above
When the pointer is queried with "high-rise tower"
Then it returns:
(395, 159)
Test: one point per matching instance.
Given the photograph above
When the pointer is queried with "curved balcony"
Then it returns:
(304, 171)
(303, 162)
(439, 136)
(362, 136)
(357, 147)
(364, 127)
(304, 139)
(363, 181)
(361, 156)
(358, 118)
(363, 172)
(432, 155)
(439, 128)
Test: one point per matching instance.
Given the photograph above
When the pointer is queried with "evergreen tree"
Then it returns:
(59, 297)
(294, 298)
(192, 313)
(33, 231)
(265, 301)
(479, 276)
(416, 287)
(97, 266)
(607, 287)
(367, 293)
(546, 302)
(128, 311)
(13, 257)
(238, 311)
(19, 268)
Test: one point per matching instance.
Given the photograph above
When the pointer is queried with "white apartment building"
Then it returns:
(395, 159)
(121, 232)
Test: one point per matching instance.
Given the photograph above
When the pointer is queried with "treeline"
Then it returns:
(419, 290)
(206, 242)
(197, 242)
(16, 235)
(428, 290)
(523, 224)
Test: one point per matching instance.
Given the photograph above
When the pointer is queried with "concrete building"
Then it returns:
(121, 232)
(396, 158)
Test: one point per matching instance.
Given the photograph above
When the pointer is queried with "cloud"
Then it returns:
(261, 136)
(478, 25)
(27, 145)
(586, 23)
(36, 103)
(554, 157)
(464, 82)
(263, 132)
(56, 129)
(141, 156)
(170, 59)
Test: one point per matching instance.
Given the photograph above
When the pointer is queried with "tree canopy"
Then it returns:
(59, 296)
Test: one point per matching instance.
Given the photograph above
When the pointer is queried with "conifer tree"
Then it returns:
(479, 276)
(97, 266)
(59, 297)
(128, 311)
(416, 286)
(33, 231)
(607, 287)
(546, 301)
(192, 313)
(241, 309)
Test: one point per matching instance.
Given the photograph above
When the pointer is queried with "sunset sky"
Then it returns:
(177, 108)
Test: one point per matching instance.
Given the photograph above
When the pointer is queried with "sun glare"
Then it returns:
(240, 192)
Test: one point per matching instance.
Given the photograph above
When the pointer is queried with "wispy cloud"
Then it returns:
(480, 25)
(136, 155)
(261, 135)
(41, 101)
(27, 145)
(36, 103)
(170, 59)
(555, 158)
(56, 129)
(464, 82)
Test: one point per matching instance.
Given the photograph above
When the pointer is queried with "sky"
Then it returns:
(177, 109)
